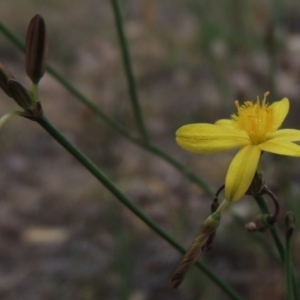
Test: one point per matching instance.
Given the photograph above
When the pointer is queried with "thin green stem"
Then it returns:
(128, 70)
(12, 37)
(274, 229)
(35, 92)
(278, 242)
(124, 200)
(217, 213)
(288, 268)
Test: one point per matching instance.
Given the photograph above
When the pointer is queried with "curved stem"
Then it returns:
(276, 204)
(128, 70)
(288, 269)
(124, 200)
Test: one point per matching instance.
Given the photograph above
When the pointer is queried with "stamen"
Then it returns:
(256, 118)
(236, 104)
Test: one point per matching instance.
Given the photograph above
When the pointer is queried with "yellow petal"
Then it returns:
(209, 138)
(280, 110)
(226, 123)
(288, 135)
(241, 172)
(280, 147)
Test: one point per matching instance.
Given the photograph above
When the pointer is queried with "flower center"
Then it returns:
(257, 119)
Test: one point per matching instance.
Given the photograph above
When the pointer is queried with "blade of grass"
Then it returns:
(128, 70)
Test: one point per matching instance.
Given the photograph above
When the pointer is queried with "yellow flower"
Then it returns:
(254, 128)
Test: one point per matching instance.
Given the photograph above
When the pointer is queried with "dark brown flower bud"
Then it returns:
(36, 48)
(20, 94)
(5, 75)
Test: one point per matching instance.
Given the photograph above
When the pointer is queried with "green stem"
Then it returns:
(288, 269)
(274, 229)
(35, 92)
(12, 37)
(128, 70)
(220, 209)
(279, 244)
(124, 200)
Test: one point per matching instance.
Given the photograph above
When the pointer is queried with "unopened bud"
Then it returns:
(5, 75)
(261, 223)
(20, 94)
(36, 48)
(290, 223)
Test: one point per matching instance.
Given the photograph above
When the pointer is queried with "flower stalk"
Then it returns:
(129, 71)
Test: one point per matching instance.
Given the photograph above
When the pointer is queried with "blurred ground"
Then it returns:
(62, 235)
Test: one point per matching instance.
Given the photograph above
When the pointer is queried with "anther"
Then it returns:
(236, 104)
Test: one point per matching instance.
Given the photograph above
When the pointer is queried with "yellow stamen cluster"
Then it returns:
(257, 119)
